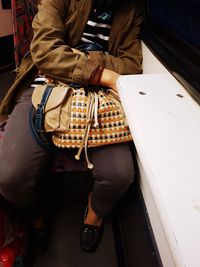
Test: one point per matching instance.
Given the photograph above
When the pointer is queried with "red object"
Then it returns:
(9, 253)
(23, 12)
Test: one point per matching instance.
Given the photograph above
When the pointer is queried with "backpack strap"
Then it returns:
(39, 114)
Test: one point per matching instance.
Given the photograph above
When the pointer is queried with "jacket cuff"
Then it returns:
(84, 70)
(98, 57)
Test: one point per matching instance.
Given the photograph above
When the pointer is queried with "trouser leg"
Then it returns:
(22, 160)
(113, 173)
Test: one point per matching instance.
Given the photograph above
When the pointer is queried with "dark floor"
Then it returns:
(127, 241)
(70, 199)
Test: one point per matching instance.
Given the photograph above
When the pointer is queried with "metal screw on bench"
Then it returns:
(142, 93)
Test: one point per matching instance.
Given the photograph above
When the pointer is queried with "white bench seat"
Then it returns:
(166, 131)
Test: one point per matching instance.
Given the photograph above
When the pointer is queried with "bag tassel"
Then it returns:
(92, 111)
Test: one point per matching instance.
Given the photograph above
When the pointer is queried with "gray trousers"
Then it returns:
(23, 162)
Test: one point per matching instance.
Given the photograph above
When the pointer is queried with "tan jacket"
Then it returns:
(58, 27)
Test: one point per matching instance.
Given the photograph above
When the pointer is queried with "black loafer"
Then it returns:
(90, 237)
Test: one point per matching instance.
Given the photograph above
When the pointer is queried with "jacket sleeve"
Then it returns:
(48, 48)
(56, 59)
(128, 58)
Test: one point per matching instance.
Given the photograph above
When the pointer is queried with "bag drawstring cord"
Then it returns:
(92, 112)
(96, 102)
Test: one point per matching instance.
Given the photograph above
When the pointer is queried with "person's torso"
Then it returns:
(77, 15)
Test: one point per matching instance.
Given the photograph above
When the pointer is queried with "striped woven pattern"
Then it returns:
(97, 124)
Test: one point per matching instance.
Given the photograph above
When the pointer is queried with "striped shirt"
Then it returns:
(39, 80)
(97, 29)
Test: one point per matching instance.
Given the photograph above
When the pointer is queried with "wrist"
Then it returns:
(96, 76)
(109, 78)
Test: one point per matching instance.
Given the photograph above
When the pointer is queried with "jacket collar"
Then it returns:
(83, 8)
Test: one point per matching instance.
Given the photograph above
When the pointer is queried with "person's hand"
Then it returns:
(109, 79)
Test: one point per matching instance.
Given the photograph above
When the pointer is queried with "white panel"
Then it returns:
(150, 62)
(166, 132)
(154, 214)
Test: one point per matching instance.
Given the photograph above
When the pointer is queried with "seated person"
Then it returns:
(59, 27)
